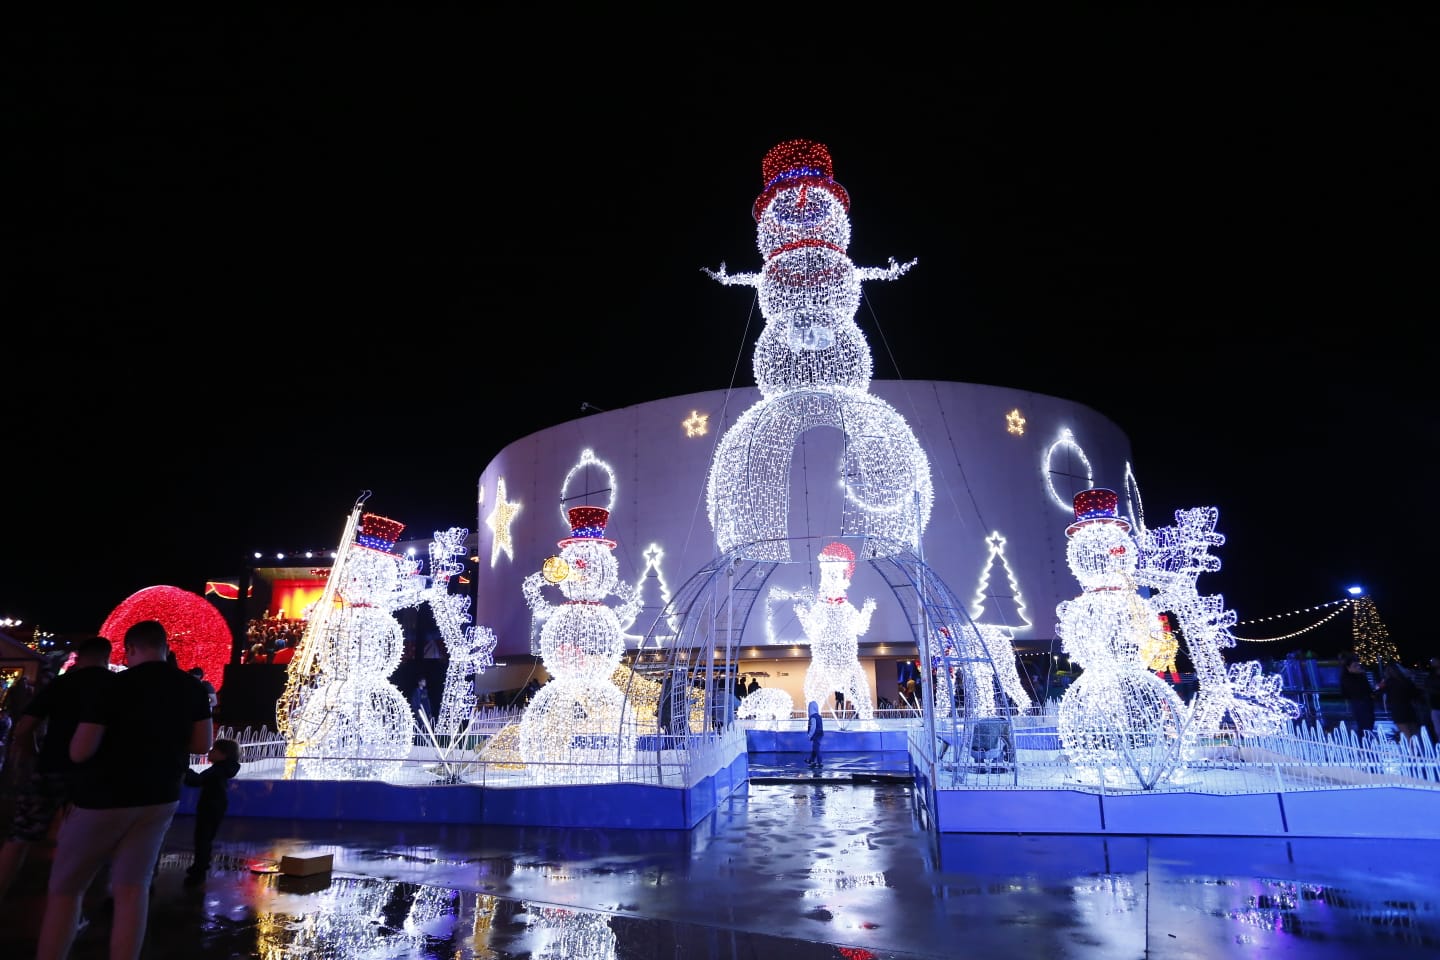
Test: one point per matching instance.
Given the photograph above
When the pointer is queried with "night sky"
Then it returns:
(262, 262)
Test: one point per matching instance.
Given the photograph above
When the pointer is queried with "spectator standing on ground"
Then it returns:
(199, 674)
(41, 778)
(815, 730)
(1355, 688)
(754, 685)
(420, 699)
(1400, 696)
(212, 803)
(131, 749)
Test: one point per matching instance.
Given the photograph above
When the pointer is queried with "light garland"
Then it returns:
(1295, 633)
(813, 367)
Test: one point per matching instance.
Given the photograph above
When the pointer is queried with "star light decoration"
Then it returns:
(813, 367)
(499, 522)
(1015, 423)
(697, 424)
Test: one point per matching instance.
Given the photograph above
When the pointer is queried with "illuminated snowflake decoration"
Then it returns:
(1117, 720)
(813, 367)
(1171, 561)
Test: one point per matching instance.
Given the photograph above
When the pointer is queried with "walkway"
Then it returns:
(802, 865)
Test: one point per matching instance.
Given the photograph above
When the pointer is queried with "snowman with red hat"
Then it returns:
(571, 729)
(834, 625)
(1118, 719)
(813, 367)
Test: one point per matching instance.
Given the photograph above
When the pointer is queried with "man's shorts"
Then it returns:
(37, 799)
(128, 837)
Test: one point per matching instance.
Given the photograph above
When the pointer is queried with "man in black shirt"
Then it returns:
(131, 748)
(42, 777)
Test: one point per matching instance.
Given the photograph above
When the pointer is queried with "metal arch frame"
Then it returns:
(713, 609)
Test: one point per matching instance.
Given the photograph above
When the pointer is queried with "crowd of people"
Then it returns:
(272, 640)
(1411, 706)
(96, 763)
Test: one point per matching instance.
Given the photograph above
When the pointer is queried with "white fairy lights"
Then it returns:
(813, 366)
(571, 732)
(833, 626)
(340, 715)
(1171, 561)
(1117, 718)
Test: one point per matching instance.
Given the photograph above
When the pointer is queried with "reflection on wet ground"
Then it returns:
(800, 865)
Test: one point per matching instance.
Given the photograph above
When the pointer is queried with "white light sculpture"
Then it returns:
(571, 730)
(654, 594)
(833, 626)
(813, 366)
(339, 712)
(767, 703)
(1117, 720)
(470, 649)
(1171, 561)
(1066, 444)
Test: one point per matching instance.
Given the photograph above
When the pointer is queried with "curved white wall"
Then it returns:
(986, 480)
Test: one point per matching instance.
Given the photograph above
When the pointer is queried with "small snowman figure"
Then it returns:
(571, 730)
(1118, 716)
(834, 625)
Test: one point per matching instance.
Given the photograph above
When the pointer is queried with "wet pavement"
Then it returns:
(802, 864)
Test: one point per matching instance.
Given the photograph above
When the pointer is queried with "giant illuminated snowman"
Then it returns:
(1118, 719)
(813, 366)
(571, 730)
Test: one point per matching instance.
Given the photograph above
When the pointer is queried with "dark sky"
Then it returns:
(266, 261)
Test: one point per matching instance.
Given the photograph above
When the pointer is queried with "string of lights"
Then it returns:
(1339, 607)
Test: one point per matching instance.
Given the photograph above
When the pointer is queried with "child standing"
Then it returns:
(815, 730)
(212, 803)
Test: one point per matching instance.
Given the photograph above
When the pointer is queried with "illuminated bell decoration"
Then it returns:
(555, 569)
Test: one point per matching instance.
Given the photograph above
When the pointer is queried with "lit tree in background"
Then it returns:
(1372, 640)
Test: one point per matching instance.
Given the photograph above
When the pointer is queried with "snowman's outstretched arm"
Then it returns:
(540, 608)
(885, 273)
(732, 279)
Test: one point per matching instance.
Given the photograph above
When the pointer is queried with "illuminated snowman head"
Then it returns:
(837, 566)
(1101, 552)
(809, 286)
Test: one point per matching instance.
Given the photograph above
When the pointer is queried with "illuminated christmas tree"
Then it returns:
(1372, 640)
